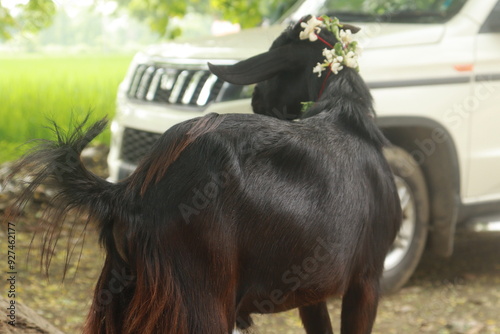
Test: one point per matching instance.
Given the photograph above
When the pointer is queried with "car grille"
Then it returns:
(166, 84)
(136, 143)
(179, 85)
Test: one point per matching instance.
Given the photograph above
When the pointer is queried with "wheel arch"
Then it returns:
(432, 147)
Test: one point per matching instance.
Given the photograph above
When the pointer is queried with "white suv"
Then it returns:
(434, 71)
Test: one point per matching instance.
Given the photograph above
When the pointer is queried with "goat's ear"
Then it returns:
(353, 29)
(259, 68)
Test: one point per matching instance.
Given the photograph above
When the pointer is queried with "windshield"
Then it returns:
(398, 11)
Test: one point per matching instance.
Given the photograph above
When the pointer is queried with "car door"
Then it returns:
(484, 103)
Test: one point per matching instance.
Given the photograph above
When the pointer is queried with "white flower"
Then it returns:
(336, 67)
(351, 59)
(318, 69)
(345, 36)
(329, 54)
(311, 28)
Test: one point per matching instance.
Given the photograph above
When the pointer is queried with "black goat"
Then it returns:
(230, 215)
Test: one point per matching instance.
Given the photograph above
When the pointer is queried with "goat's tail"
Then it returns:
(56, 164)
(139, 290)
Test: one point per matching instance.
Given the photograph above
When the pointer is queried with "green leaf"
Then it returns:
(306, 106)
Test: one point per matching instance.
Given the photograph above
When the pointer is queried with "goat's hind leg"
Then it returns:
(316, 319)
(359, 306)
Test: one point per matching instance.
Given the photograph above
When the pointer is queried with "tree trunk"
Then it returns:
(27, 321)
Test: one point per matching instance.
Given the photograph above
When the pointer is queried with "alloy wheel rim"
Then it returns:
(403, 241)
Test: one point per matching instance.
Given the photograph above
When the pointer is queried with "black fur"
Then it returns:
(230, 215)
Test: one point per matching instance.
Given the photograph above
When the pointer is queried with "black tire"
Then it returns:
(407, 250)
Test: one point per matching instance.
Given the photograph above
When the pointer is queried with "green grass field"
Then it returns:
(34, 89)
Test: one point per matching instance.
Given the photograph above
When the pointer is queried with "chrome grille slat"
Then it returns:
(145, 82)
(166, 84)
(167, 81)
(194, 86)
(191, 88)
(206, 89)
(136, 79)
(153, 87)
(179, 84)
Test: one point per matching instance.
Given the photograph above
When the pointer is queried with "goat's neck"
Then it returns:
(346, 101)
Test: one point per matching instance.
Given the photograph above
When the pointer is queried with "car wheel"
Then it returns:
(406, 251)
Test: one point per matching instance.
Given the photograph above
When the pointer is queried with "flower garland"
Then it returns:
(343, 53)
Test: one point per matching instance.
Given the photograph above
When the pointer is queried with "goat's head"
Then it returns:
(285, 73)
